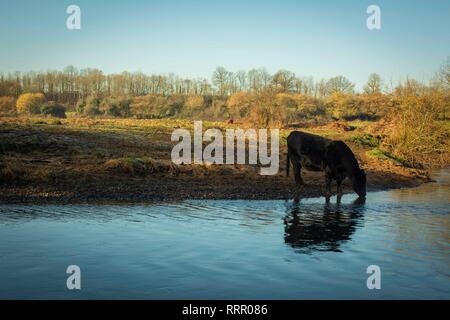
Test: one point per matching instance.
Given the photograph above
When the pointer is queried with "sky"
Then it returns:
(191, 38)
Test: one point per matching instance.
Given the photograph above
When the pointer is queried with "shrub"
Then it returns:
(216, 111)
(79, 108)
(116, 107)
(30, 103)
(92, 106)
(343, 106)
(287, 100)
(149, 106)
(308, 107)
(376, 105)
(7, 105)
(53, 109)
(266, 112)
(262, 108)
(174, 105)
(416, 135)
(240, 104)
(194, 102)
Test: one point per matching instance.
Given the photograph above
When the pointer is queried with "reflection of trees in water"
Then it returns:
(321, 227)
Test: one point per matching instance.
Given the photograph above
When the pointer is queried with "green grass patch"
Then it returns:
(359, 123)
(382, 155)
(366, 140)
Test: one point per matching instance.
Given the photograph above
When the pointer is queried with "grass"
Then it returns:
(366, 139)
(111, 158)
(44, 149)
(147, 166)
(140, 166)
(12, 172)
(379, 154)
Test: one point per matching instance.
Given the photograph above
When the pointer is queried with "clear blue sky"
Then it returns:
(190, 38)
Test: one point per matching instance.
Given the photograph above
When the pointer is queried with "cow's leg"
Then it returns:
(339, 185)
(297, 170)
(328, 179)
(339, 188)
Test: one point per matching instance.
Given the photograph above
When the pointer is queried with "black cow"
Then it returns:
(316, 153)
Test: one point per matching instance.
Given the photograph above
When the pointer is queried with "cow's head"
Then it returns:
(359, 183)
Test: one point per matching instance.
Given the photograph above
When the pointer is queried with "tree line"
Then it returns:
(70, 84)
(414, 115)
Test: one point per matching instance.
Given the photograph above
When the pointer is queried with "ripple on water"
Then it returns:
(233, 248)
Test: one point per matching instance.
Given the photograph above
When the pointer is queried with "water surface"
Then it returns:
(232, 249)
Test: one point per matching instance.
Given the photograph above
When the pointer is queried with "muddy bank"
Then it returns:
(98, 189)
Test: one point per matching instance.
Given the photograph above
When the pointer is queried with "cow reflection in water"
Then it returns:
(313, 227)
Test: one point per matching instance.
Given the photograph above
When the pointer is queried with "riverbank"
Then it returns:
(79, 160)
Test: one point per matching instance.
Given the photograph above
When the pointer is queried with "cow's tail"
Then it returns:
(288, 164)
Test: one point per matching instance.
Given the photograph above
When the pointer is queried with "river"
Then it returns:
(233, 249)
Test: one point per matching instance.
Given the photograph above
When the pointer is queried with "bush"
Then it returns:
(302, 106)
(216, 111)
(174, 105)
(92, 106)
(344, 106)
(266, 112)
(149, 106)
(30, 103)
(416, 135)
(7, 105)
(240, 104)
(376, 105)
(79, 108)
(194, 102)
(116, 107)
(53, 109)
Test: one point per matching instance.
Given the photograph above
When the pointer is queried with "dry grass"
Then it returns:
(148, 166)
(418, 138)
(140, 166)
(13, 173)
(46, 151)
(126, 158)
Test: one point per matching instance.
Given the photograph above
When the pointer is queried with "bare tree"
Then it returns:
(374, 84)
(284, 81)
(339, 84)
(220, 79)
(444, 73)
(241, 77)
